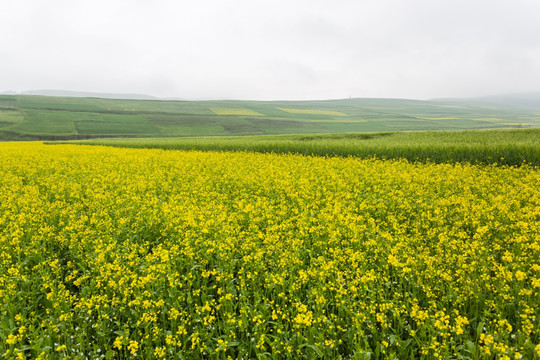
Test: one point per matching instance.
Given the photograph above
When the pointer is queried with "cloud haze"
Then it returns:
(246, 49)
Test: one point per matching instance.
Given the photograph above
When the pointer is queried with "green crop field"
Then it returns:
(24, 117)
(501, 146)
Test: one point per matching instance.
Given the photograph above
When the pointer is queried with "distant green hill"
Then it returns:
(68, 93)
(25, 117)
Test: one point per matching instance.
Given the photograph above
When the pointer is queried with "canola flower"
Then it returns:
(131, 253)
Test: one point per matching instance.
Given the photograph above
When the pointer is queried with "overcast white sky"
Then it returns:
(279, 49)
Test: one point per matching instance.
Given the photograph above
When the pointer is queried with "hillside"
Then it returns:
(82, 94)
(25, 117)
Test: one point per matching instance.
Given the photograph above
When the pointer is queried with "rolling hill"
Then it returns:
(31, 117)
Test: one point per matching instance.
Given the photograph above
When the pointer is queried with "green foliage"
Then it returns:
(505, 147)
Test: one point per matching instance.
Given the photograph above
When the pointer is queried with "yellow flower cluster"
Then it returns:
(133, 253)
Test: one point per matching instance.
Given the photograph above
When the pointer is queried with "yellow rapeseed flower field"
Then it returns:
(235, 111)
(313, 112)
(110, 253)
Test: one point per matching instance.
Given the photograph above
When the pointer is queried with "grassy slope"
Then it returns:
(41, 117)
(503, 146)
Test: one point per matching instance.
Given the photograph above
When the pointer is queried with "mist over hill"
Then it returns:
(519, 100)
(527, 100)
(70, 93)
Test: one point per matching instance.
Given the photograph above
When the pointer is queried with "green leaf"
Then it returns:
(479, 328)
(109, 354)
(312, 347)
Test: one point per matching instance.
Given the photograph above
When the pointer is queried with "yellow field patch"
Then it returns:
(489, 119)
(517, 124)
(340, 121)
(313, 112)
(235, 111)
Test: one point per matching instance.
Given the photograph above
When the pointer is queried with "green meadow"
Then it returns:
(26, 117)
(511, 147)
